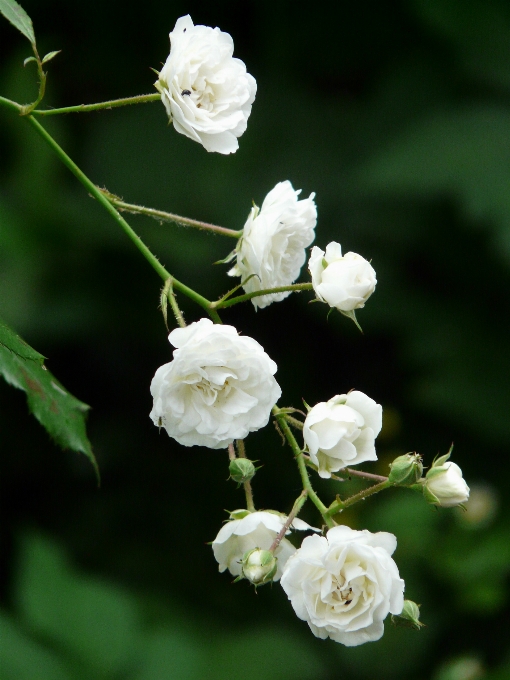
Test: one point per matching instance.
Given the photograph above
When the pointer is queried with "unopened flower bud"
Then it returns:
(406, 470)
(259, 566)
(444, 484)
(241, 470)
(409, 616)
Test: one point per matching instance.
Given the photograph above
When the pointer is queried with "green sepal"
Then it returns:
(429, 496)
(51, 55)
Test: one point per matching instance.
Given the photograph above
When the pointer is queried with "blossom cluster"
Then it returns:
(220, 385)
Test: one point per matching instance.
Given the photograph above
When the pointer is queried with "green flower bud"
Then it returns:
(406, 470)
(409, 616)
(241, 470)
(259, 566)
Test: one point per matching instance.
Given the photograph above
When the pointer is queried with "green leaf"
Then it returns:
(18, 18)
(51, 55)
(22, 658)
(28, 59)
(92, 622)
(61, 414)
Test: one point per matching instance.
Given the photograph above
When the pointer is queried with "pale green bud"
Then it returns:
(409, 616)
(259, 566)
(406, 470)
(241, 470)
(444, 484)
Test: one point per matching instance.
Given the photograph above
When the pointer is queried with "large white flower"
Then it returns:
(207, 93)
(345, 584)
(271, 250)
(254, 530)
(341, 431)
(343, 281)
(219, 387)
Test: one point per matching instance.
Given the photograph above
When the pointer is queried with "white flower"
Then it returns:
(345, 584)
(445, 486)
(207, 93)
(341, 431)
(271, 250)
(219, 387)
(345, 282)
(255, 530)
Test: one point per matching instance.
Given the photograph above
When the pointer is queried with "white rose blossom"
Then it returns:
(445, 485)
(345, 584)
(271, 250)
(207, 93)
(343, 281)
(219, 387)
(255, 530)
(341, 432)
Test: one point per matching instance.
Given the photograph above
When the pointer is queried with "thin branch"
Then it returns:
(114, 103)
(164, 216)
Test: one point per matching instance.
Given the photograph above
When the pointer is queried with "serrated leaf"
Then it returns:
(18, 18)
(61, 414)
(51, 55)
(28, 59)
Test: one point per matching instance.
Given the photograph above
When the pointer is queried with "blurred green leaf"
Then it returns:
(18, 18)
(462, 152)
(479, 29)
(21, 658)
(175, 654)
(61, 414)
(267, 652)
(51, 55)
(90, 621)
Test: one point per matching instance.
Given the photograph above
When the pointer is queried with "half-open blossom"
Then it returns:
(343, 281)
(271, 250)
(445, 485)
(345, 584)
(207, 92)
(219, 387)
(341, 432)
(253, 530)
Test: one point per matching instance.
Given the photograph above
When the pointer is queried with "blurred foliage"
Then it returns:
(397, 114)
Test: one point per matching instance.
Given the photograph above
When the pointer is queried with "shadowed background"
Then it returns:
(397, 114)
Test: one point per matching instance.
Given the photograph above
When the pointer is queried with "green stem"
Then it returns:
(114, 103)
(175, 307)
(338, 505)
(248, 491)
(170, 217)
(11, 105)
(101, 198)
(298, 455)
(296, 508)
(296, 287)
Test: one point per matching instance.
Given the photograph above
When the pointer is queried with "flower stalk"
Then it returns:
(298, 504)
(294, 288)
(298, 455)
(248, 491)
(164, 216)
(100, 106)
(339, 505)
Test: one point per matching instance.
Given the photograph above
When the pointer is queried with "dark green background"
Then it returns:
(397, 114)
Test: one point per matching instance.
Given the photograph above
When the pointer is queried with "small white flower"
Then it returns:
(207, 93)
(345, 282)
(345, 584)
(255, 530)
(341, 431)
(271, 250)
(219, 387)
(445, 486)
